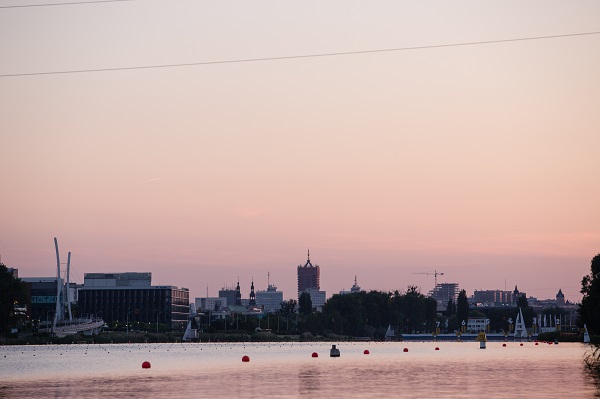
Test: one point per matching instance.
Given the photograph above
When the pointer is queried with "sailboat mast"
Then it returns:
(58, 312)
(68, 286)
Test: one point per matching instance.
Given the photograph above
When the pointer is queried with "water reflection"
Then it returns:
(308, 380)
(286, 371)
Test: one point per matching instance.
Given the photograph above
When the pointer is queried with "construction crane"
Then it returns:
(435, 274)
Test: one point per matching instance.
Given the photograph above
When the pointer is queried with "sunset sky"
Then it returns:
(480, 161)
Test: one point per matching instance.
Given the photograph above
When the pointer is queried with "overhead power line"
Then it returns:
(291, 57)
(64, 4)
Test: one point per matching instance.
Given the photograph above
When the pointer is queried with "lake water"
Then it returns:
(456, 370)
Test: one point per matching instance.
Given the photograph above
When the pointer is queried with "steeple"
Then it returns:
(252, 294)
(560, 299)
(238, 294)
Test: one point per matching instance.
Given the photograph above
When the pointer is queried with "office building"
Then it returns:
(122, 297)
(269, 300)
(309, 276)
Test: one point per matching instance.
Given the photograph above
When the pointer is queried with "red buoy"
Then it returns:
(503, 344)
(405, 349)
(366, 352)
(245, 359)
(315, 354)
(437, 348)
(146, 365)
(536, 343)
(521, 344)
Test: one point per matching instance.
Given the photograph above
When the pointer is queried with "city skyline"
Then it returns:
(242, 286)
(478, 161)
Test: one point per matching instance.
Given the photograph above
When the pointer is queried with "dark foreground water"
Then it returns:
(456, 370)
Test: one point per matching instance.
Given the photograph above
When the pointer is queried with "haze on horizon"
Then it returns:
(477, 161)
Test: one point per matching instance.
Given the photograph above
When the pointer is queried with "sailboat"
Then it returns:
(586, 335)
(190, 332)
(389, 334)
(520, 329)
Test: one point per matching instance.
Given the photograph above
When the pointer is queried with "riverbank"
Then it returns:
(121, 337)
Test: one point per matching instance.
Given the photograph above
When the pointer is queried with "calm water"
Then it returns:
(459, 370)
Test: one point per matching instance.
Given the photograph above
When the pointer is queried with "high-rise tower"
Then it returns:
(308, 276)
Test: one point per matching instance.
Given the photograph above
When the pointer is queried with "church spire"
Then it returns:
(238, 294)
(252, 294)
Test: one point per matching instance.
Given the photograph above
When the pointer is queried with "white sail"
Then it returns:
(389, 334)
(190, 332)
(586, 335)
(520, 330)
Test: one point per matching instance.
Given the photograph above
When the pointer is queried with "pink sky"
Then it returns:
(480, 162)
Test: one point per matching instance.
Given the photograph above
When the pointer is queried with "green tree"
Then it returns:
(589, 309)
(288, 308)
(12, 291)
(305, 304)
(462, 307)
(522, 302)
(450, 308)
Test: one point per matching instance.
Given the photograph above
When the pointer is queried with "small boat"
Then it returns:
(334, 352)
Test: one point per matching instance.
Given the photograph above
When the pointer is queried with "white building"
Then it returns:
(317, 297)
(210, 304)
(477, 324)
(355, 288)
(269, 300)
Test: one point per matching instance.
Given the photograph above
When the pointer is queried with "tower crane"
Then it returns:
(435, 274)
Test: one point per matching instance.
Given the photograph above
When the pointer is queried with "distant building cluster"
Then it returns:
(130, 297)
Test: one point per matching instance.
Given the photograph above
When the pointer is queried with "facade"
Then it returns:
(130, 297)
(317, 297)
(269, 300)
(230, 294)
(210, 304)
(42, 293)
(309, 276)
(492, 298)
(477, 324)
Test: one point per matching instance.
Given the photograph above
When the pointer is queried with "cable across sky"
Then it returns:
(63, 4)
(291, 57)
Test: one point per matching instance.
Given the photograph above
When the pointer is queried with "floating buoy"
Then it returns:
(437, 348)
(366, 352)
(315, 354)
(504, 345)
(405, 349)
(245, 359)
(146, 365)
(536, 343)
(521, 344)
